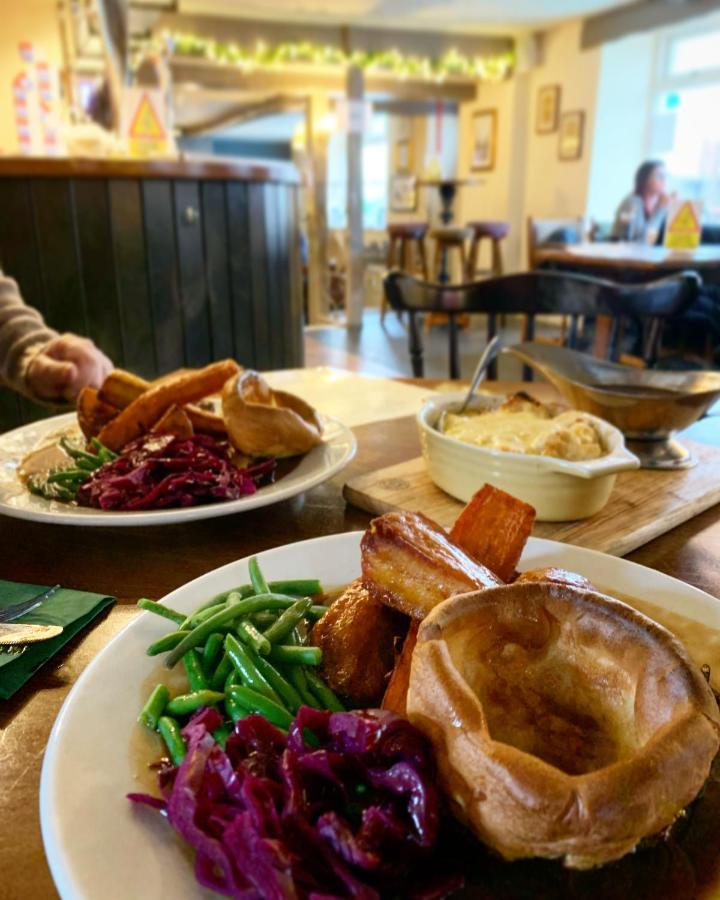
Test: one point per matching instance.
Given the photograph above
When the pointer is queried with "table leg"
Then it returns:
(447, 195)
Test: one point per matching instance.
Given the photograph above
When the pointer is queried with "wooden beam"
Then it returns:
(308, 78)
(354, 269)
(243, 112)
(640, 16)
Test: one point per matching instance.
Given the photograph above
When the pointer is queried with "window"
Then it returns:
(375, 176)
(685, 125)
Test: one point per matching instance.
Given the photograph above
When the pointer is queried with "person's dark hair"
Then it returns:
(644, 174)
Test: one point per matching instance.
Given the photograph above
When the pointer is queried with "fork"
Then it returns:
(9, 613)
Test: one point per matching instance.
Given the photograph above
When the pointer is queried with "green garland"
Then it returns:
(451, 63)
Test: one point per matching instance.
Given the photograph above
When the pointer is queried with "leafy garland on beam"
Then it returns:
(451, 63)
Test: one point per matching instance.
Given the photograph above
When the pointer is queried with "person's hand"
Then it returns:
(66, 365)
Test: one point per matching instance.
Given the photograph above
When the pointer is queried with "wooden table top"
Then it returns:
(623, 253)
(134, 562)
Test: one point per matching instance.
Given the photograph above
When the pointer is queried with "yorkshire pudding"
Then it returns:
(565, 723)
(264, 422)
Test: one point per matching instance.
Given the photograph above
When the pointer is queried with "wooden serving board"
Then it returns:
(644, 504)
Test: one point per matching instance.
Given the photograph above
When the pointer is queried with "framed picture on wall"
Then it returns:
(484, 137)
(403, 156)
(572, 128)
(403, 193)
(547, 112)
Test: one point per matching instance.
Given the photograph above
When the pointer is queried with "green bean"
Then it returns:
(154, 707)
(293, 588)
(213, 647)
(316, 611)
(291, 698)
(78, 454)
(168, 642)
(323, 692)
(248, 671)
(233, 678)
(260, 704)
(257, 579)
(174, 741)
(188, 703)
(161, 610)
(64, 475)
(194, 670)
(263, 619)
(286, 653)
(249, 635)
(221, 734)
(288, 620)
(201, 632)
(225, 667)
(234, 709)
(105, 454)
(296, 675)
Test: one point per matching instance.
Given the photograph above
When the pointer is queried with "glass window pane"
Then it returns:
(695, 54)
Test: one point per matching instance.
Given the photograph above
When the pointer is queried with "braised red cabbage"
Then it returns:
(343, 806)
(167, 471)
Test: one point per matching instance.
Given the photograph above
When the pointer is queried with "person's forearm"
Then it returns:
(23, 333)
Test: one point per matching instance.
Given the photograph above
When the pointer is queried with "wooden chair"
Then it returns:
(534, 293)
(406, 247)
(495, 232)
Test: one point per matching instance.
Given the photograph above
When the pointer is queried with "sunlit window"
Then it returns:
(685, 123)
(375, 176)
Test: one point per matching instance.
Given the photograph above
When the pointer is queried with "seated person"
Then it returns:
(37, 361)
(641, 215)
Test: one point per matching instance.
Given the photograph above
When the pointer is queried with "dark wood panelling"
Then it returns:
(117, 260)
(191, 269)
(97, 267)
(217, 268)
(240, 272)
(128, 239)
(295, 287)
(19, 257)
(162, 271)
(259, 264)
(56, 221)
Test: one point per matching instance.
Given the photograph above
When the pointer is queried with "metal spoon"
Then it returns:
(491, 350)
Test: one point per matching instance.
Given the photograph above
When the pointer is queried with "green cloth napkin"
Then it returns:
(71, 609)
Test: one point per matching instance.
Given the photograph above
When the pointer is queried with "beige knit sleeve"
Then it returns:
(22, 333)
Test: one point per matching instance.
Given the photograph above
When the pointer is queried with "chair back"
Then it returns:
(552, 232)
(542, 293)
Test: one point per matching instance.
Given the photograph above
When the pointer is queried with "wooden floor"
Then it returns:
(383, 349)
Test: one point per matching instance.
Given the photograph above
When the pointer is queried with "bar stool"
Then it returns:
(406, 245)
(448, 238)
(495, 232)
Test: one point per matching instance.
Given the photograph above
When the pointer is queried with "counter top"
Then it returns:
(210, 168)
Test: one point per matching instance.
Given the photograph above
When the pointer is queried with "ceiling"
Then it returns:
(444, 15)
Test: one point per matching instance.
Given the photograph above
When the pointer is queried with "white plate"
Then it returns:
(322, 462)
(98, 845)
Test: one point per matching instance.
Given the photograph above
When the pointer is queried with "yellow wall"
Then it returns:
(529, 179)
(556, 188)
(22, 20)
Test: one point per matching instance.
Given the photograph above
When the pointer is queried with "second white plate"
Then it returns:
(322, 462)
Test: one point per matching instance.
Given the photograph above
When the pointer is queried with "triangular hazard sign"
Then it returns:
(145, 124)
(685, 220)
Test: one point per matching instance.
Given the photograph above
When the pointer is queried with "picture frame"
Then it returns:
(403, 156)
(571, 135)
(403, 193)
(484, 140)
(547, 110)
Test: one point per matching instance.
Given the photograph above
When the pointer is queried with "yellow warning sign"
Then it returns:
(683, 227)
(144, 124)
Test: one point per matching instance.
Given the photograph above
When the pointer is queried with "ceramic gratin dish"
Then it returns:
(559, 490)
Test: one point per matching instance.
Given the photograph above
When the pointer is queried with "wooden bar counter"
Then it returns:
(163, 263)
